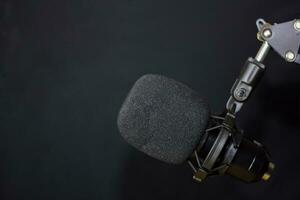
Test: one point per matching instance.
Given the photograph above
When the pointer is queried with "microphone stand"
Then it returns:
(284, 39)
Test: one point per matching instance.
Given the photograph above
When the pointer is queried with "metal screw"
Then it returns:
(199, 180)
(297, 25)
(267, 33)
(241, 93)
(290, 56)
(268, 174)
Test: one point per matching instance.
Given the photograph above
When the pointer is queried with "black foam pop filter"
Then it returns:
(163, 118)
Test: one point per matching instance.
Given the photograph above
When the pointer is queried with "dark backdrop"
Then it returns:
(66, 67)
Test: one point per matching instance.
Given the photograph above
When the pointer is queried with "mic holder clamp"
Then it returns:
(224, 150)
(244, 85)
(216, 151)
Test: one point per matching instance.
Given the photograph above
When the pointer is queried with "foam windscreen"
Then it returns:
(163, 118)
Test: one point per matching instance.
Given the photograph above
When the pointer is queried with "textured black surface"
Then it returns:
(67, 65)
(163, 118)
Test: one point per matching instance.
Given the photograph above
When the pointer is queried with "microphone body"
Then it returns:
(169, 121)
(228, 152)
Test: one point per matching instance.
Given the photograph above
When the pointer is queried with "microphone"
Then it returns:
(168, 121)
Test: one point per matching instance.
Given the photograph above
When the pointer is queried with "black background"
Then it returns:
(66, 67)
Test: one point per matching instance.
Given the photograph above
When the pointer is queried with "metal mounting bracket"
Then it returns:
(284, 38)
